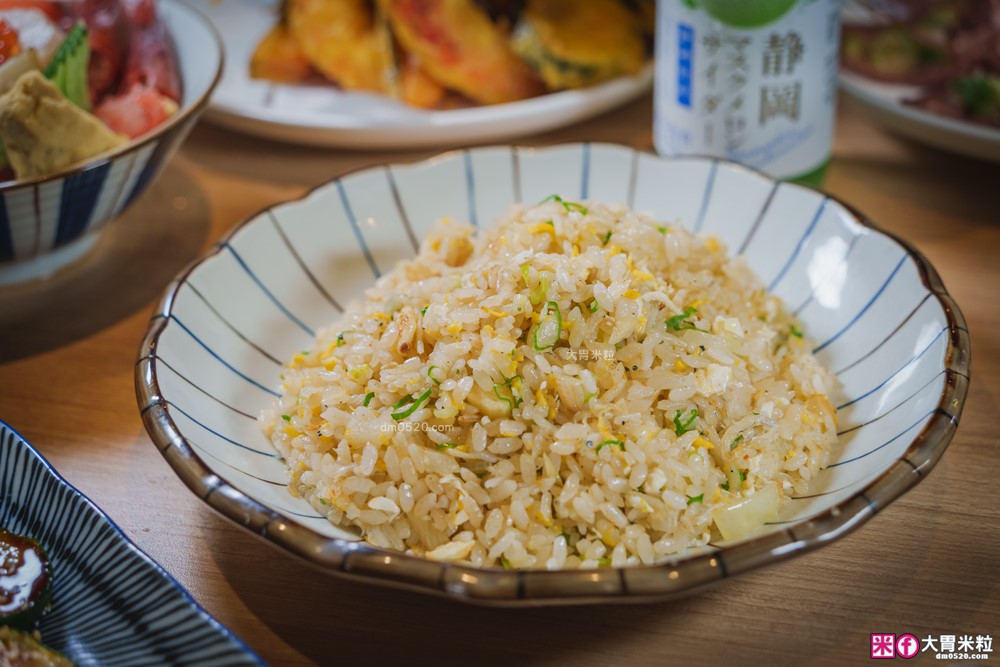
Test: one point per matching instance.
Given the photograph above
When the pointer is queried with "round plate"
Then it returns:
(884, 103)
(322, 115)
(885, 325)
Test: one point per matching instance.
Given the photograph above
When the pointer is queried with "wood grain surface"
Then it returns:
(927, 565)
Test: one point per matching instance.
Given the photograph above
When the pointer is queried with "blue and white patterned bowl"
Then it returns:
(112, 606)
(884, 322)
(47, 223)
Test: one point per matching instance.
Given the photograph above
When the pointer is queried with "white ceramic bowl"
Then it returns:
(48, 223)
(884, 323)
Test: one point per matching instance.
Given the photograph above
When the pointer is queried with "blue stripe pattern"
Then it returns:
(706, 195)
(633, 178)
(113, 606)
(892, 334)
(302, 265)
(864, 310)
(270, 357)
(270, 455)
(886, 381)
(798, 246)
(6, 239)
(154, 164)
(879, 416)
(585, 172)
(173, 370)
(357, 230)
(270, 295)
(891, 440)
(402, 211)
(470, 188)
(221, 360)
(759, 219)
(79, 197)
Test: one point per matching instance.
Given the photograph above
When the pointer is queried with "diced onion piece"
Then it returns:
(549, 328)
(743, 518)
(11, 70)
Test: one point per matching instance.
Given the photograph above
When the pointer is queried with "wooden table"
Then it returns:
(928, 565)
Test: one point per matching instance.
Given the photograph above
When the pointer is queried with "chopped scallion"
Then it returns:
(430, 374)
(540, 292)
(594, 306)
(696, 499)
(680, 322)
(795, 331)
(446, 445)
(368, 398)
(682, 427)
(401, 402)
(287, 418)
(549, 327)
(736, 442)
(614, 443)
(417, 402)
(568, 205)
(511, 384)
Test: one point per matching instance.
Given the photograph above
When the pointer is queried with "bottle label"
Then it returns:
(751, 82)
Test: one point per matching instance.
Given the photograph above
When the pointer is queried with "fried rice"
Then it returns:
(577, 386)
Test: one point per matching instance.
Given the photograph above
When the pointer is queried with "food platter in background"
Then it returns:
(884, 103)
(322, 115)
(927, 71)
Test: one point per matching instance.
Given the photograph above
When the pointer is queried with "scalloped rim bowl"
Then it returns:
(883, 319)
(48, 223)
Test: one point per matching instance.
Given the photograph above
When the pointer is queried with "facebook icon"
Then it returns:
(907, 646)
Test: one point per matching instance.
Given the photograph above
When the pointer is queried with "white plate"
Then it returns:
(884, 103)
(326, 116)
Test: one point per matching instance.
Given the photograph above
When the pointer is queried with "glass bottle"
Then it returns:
(754, 81)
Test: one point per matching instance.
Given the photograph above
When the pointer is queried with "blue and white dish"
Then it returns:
(112, 606)
(882, 318)
(48, 223)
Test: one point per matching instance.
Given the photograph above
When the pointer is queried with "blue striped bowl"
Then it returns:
(884, 322)
(112, 605)
(47, 223)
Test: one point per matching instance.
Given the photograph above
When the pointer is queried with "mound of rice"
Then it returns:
(577, 386)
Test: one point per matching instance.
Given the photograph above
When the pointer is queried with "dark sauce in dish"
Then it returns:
(24, 573)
